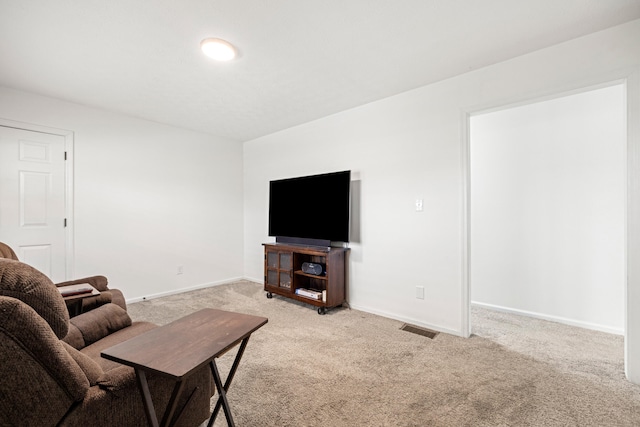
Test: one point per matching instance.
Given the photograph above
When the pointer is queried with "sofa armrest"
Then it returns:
(92, 302)
(98, 282)
(106, 295)
(118, 298)
(112, 295)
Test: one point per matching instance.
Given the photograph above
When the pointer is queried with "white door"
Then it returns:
(32, 198)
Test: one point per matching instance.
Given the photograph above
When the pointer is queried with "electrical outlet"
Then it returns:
(420, 292)
(180, 269)
(419, 205)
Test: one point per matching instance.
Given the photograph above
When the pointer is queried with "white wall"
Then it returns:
(412, 146)
(548, 209)
(148, 197)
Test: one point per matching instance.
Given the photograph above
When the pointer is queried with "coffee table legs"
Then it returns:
(222, 399)
(149, 409)
(222, 390)
(141, 377)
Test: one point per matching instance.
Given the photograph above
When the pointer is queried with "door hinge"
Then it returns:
(65, 222)
(65, 155)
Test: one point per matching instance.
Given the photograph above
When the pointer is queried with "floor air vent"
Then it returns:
(420, 331)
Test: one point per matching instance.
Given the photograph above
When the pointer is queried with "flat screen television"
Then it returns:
(310, 209)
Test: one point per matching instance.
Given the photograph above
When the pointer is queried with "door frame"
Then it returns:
(68, 188)
(630, 79)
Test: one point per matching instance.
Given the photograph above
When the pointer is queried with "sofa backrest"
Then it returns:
(40, 379)
(21, 281)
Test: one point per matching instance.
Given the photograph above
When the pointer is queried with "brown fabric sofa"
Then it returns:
(51, 372)
(99, 282)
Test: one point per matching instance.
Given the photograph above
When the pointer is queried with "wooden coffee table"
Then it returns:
(180, 348)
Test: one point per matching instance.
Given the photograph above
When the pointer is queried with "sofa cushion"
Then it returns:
(100, 322)
(74, 337)
(23, 282)
(94, 350)
(91, 369)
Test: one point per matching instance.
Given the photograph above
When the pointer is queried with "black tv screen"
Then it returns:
(311, 207)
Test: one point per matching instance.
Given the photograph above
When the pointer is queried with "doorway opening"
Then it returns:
(546, 214)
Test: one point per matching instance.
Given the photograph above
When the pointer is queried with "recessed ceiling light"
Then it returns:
(218, 49)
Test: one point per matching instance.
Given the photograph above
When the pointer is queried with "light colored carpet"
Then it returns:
(351, 368)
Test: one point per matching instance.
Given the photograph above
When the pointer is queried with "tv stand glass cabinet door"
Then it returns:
(278, 268)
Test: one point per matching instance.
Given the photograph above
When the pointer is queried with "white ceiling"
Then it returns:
(299, 59)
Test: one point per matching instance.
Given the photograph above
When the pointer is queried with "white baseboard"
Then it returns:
(557, 319)
(406, 320)
(182, 290)
(395, 316)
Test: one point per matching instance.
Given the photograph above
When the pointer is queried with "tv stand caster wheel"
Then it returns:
(269, 295)
(322, 310)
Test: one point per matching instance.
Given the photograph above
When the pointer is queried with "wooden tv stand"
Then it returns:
(283, 273)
